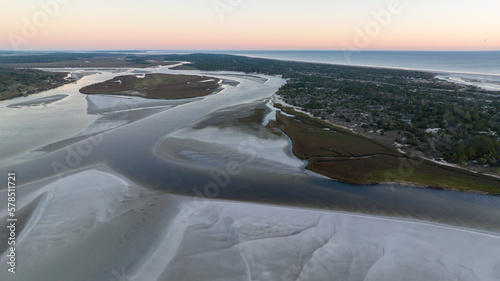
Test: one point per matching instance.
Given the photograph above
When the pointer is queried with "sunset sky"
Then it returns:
(250, 24)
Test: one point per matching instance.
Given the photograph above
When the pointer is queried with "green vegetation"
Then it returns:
(183, 67)
(22, 82)
(160, 86)
(405, 104)
(425, 116)
(346, 156)
(313, 138)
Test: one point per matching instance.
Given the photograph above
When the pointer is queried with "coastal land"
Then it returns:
(360, 125)
(157, 86)
(19, 78)
(353, 158)
(207, 185)
(84, 60)
(369, 125)
(22, 82)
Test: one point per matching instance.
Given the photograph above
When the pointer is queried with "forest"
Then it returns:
(428, 116)
(413, 110)
(20, 82)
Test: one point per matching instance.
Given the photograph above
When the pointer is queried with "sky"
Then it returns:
(249, 25)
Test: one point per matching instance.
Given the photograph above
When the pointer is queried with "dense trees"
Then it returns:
(458, 123)
(17, 82)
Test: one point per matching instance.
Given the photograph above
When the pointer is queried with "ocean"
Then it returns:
(485, 63)
(474, 68)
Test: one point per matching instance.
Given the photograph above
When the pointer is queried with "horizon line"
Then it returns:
(233, 50)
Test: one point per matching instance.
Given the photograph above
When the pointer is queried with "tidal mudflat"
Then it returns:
(202, 188)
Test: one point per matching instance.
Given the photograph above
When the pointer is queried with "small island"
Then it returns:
(157, 86)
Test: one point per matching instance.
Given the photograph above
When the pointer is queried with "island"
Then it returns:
(361, 125)
(19, 78)
(157, 86)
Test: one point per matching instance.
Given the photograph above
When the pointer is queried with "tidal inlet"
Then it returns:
(171, 173)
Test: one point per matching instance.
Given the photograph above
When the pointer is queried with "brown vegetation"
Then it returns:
(349, 157)
(158, 86)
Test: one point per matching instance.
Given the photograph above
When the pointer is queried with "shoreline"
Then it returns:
(439, 74)
(451, 187)
(364, 65)
(277, 99)
(41, 85)
(425, 165)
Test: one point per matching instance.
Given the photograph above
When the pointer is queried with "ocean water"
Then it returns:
(484, 63)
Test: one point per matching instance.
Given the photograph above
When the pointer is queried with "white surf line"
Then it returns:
(428, 70)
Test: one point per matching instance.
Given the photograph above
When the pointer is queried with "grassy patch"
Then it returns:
(159, 86)
(432, 179)
(345, 156)
(313, 138)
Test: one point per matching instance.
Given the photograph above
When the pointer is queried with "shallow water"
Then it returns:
(486, 63)
(130, 140)
(215, 147)
(483, 66)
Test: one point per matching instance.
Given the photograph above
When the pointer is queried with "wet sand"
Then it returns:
(97, 219)
(107, 205)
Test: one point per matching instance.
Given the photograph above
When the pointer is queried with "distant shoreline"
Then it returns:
(437, 71)
(440, 74)
(17, 83)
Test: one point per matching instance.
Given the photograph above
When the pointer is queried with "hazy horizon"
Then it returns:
(221, 25)
(237, 50)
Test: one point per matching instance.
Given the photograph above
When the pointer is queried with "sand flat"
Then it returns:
(117, 227)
